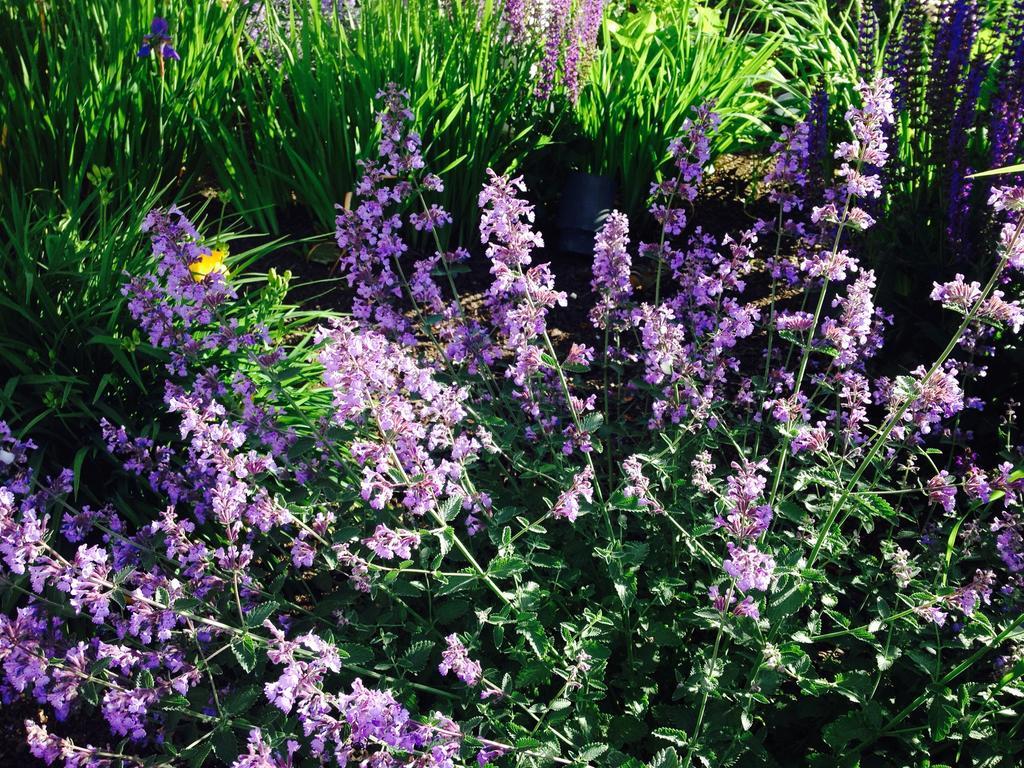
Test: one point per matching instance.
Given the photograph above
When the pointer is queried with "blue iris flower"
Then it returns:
(159, 39)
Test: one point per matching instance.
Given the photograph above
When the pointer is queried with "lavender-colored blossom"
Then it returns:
(389, 544)
(638, 486)
(612, 266)
(568, 504)
(751, 568)
(744, 517)
(455, 659)
(414, 419)
(259, 755)
(942, 491)
(810, 439)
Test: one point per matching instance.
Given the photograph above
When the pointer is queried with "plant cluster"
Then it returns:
(716, 530)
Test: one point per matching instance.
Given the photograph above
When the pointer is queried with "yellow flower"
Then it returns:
(209, 263)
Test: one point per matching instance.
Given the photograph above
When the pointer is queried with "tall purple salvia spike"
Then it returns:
(514, 16)
(580, 44)
(1008, 102)
(867, 41)
(954, 41)
(959, 207)
(904, 60)
(558, 18)
(817, 130)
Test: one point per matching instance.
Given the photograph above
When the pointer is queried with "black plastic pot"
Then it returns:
(586, 202)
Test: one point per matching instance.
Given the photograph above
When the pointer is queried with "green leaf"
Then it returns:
(942, 715)
(455, 583)
(240, 701)
(415, 658)
(666, 758)
(260, 613)
(449, 509)
(591, 751)
(244, 648)
(501, 567)
(224, 745)
(998, 171)
(355, 653)
(674, 735)
(196, 756)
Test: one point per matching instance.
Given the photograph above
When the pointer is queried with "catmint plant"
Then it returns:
(432, 532)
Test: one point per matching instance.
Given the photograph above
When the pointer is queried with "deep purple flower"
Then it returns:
(159, 39)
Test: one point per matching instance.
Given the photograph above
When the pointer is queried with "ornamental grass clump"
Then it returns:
(719, 529)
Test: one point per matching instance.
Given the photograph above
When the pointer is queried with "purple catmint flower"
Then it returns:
(413, 419)
(612, 267)
(375, 717)
(751, 568)
(788, 175)
(42, 744)
(722, 603)
(568, 504)
(126, 711)
(389, 544)
(259, 755)
(455, 659)
(932, 401)
(965, 599)
(369, 236)
(488, 754)
(979, 590)
(810, 439)
(1009, 531)
(961, 296)
(856, 334)
(797, 322)
(519, 300)
(744, 518)
(942, 491)
(638, 486)
(689, 154)
(703, 468)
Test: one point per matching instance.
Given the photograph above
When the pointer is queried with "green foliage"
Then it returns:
(651, 70)
(76, 98)
(66, 352)
(305, 114)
